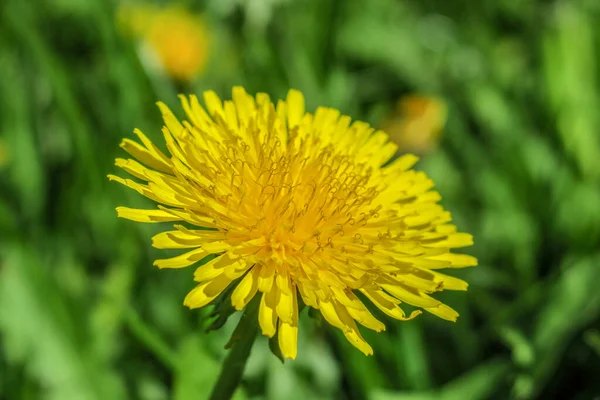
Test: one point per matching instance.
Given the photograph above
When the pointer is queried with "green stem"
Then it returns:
(241, 344)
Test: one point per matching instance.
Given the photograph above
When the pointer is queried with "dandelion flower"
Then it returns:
(417, 123)
(295, 206)
(178, 38)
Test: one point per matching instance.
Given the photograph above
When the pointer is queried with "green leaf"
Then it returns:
(40, 331)
(477, 384)
(573, 302)
(522, 349)
(592, 338)
(196, 371)
(275, 349)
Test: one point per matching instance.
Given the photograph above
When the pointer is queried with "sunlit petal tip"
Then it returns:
(414, 315)
(411, 159)
(268, 332)
(295, 107)
(445, 312)
(288, 340)
(238, 90)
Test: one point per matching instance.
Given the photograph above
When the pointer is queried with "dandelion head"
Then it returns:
(295, 206)
(178, 39)
(416, 124)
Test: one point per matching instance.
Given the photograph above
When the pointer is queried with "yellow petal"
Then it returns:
(446, 229)
(150, 216)
(453, 241)
(411, 296)
(206, 292)
(141, 189)
(366, 319)
(283, 281)
(329, 313)
(388, 304)
(456, 260)
(422, 262)
(267, 317)
(426, 282)
(171, 121)
(280, 109)
(175, 148)
(226, 264)
(146, 157)
(295, 108)
(430, 197)
(288, 339)
(192, 218)
(351, 330)
(213, 103)
(347, 298)
(150, 146)
(357, 341)
(262, 99)
(231, 115)
(359, 311)
(196, 112)
(444, 312)
(133, 167)
(401, 164)
(418, 220)
(182, 260)
(183, 239)
(237, 269)
(330, 279)
(308, 296)
(244, 104)
(287, 335)
(286, 298)
(185, 103)
(266, 277)
(216, 247)
(246, 289)
(450, 282)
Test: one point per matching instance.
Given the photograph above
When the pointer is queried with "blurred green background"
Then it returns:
(84, 315)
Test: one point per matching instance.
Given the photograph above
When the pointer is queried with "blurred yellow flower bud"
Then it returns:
(179, 39)
(417, 123)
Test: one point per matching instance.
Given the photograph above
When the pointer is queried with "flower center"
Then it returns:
(301, 201)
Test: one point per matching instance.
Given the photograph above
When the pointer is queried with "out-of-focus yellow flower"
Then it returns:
(179, 39)
(294, 204)
(417, 123)
(3, 153)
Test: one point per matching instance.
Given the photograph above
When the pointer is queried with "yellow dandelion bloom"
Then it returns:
(417, 123)
(179, 39)
(297, 204)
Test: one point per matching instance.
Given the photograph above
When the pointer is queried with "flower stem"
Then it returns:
(241, 343)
